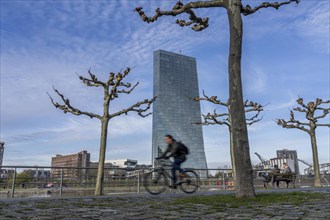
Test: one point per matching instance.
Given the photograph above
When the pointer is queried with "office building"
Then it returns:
(289, 154)
(79, 161)
(124, 163)
(175, 82)
(41, 173)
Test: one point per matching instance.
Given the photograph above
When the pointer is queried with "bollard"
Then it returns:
(13, 186)
(61, 182)
(223, 180)
(138, 182)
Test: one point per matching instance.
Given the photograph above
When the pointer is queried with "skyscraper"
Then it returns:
(175, 83)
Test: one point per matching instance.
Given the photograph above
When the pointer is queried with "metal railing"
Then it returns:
(68, 181)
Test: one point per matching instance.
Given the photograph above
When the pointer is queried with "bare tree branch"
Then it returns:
(324, 109)
(325, 113)
(135, 108)
(300, 110)
(67, 107)
(253, 119)
(311, 108)
(179, 8)
(128, 85)
(116, 81)
(289, 124)
(293, 120)
(253, 107)
(320, 102)
(300, 101)
(93, 81)
(309, 111)
(247, 10)
(110, 81)
(211, 119)
(212, 99)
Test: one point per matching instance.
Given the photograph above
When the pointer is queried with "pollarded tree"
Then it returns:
(235, 9)
(252, 109)
(312, 122)
(112, 88)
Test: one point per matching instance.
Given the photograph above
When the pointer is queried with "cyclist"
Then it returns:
(175, 150)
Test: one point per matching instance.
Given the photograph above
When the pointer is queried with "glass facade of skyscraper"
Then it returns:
(174, 112)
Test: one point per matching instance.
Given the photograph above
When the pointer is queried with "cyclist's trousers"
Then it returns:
(176, 166)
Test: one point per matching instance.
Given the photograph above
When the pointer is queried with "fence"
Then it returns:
(71, 181)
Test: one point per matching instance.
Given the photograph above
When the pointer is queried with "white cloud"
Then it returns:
(315, 25)
(284, 105)
(254, 79)
(81, 128)
(307, 21)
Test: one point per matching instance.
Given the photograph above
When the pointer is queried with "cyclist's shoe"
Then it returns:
(174, 186)
(182, 176)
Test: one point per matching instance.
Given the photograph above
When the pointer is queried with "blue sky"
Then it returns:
(45, 43)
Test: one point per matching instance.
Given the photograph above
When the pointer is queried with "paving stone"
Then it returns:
(144, 206)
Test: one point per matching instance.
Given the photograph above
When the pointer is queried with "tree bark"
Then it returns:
(317, 176)
(232, 150)
(232, 157)
(243, 167)
(103, 146)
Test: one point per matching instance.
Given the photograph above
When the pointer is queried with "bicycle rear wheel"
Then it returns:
(189, 181)
(155, 182)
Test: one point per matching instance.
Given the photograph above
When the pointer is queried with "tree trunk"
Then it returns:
(231, 147)
(103, 146)
(232, 155)
(317, 176)
(243, 168)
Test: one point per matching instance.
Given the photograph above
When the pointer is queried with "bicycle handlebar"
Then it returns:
(164, 161)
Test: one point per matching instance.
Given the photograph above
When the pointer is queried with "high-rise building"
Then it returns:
(2, 150)
(79, 160)
(175, 82)
(289, 154)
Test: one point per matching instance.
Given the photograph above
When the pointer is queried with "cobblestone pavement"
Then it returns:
(145, 206)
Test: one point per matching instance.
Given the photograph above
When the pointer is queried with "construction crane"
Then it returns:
(304, 162)
(308, 170)
(263, 160)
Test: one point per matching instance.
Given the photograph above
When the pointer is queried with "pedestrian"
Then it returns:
(285, 168)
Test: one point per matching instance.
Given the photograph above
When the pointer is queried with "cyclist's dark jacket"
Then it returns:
(173, 151)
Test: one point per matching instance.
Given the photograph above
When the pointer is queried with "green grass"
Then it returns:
(218, 201)
(42, 206)
(3, 205)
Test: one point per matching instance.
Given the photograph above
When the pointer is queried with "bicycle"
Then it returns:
(156, 180)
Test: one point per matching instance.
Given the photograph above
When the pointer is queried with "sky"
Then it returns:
(47, 43)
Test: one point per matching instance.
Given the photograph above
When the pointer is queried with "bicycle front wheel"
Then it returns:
(189, 181)
(155, 182)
